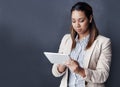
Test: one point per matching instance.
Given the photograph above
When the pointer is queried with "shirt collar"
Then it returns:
(86, 38)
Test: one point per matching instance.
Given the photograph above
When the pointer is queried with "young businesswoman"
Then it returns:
(90, 53)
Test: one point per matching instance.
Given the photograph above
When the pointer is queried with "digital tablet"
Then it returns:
(56, 57)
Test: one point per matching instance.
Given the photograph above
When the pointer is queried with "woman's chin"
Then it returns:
(79, 32)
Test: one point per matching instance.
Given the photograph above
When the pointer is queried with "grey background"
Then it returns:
(30, 27)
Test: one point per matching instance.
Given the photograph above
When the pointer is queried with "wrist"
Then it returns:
(82, 72)
(61, 68)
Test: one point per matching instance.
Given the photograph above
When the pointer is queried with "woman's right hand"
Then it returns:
(61, 68)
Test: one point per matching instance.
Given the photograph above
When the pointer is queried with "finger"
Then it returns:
(70, 59)
(67, 62)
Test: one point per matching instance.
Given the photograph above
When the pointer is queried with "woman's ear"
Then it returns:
(91, 17)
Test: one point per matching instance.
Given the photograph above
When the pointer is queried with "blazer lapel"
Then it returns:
(88, 54)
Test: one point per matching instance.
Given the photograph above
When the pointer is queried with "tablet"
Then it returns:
(56, 58)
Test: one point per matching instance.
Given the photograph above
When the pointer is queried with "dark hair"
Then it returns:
(87, 9)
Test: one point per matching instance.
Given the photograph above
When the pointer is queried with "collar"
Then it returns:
(86, 38)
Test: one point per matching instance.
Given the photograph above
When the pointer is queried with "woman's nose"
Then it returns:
(77, 24)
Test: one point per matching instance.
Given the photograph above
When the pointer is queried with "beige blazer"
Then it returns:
(96, 62)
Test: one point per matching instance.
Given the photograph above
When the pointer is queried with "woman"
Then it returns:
(90, 53)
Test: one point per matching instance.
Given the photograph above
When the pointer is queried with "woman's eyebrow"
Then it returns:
(79, 18)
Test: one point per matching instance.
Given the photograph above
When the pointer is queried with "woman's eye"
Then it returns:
(73, 21)
(81, 20)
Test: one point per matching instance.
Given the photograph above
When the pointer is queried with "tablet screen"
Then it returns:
(57, 58)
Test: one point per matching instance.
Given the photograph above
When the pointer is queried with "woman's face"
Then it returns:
(80, 22)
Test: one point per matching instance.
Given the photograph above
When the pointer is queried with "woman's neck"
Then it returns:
(81, 36)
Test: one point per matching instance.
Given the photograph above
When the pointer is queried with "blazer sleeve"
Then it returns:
(101, 73)
(61, 49)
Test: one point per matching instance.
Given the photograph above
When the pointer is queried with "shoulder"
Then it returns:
(66, 37)
(65, 45)
(102, 38)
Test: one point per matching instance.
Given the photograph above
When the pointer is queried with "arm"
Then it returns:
(59, 69)
(101, 73)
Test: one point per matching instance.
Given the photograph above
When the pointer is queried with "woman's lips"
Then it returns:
(79, 30)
